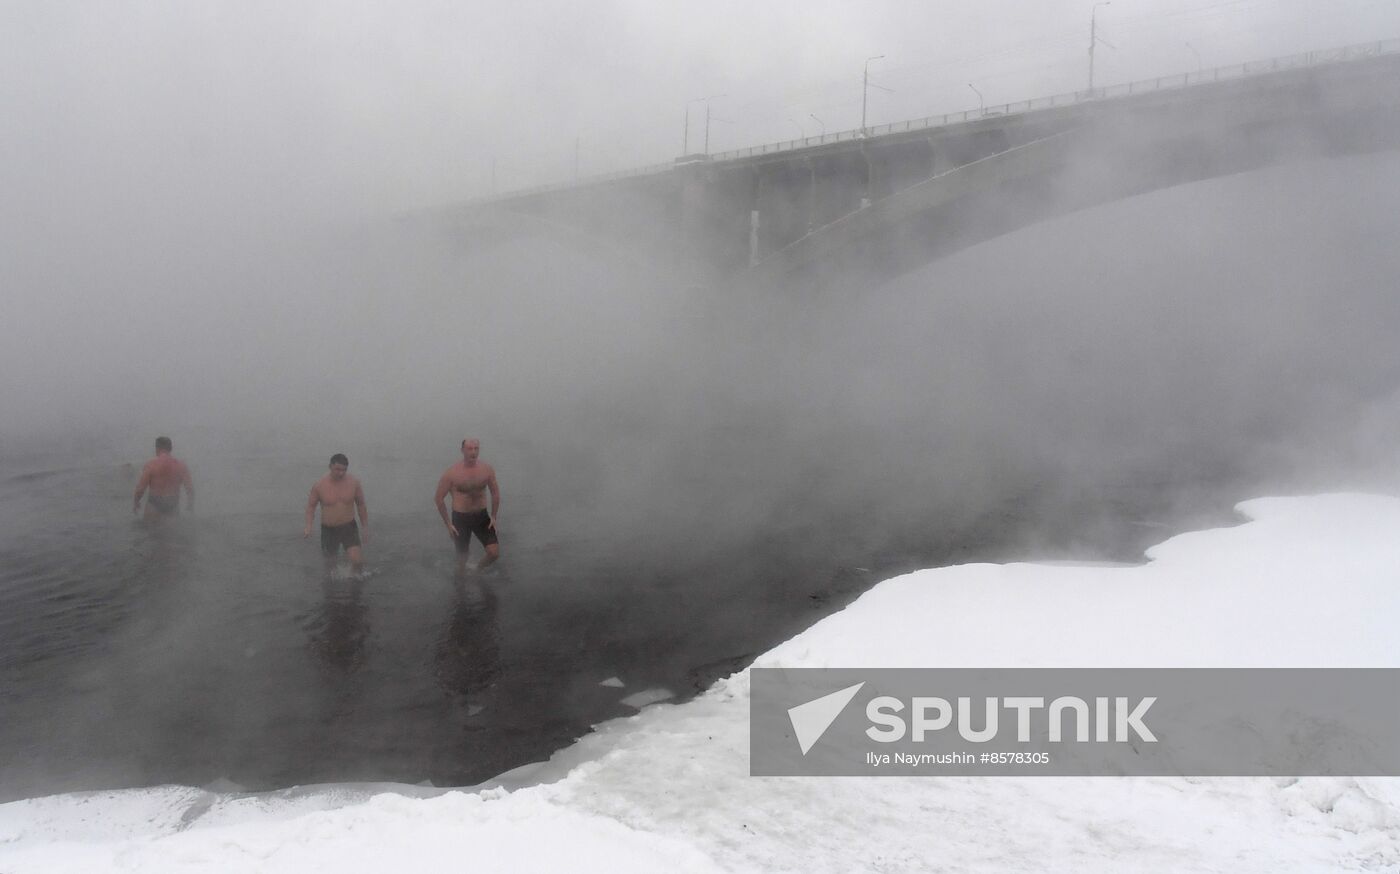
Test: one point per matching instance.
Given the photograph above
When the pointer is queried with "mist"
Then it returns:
(1231, 331)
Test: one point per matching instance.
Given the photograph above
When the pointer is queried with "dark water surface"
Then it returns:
(214, 648)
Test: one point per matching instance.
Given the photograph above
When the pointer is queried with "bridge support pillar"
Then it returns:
(693, 207)
(716, 223)
(785, 203)
(754, 254)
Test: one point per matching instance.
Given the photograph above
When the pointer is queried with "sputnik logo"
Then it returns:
(811, 720)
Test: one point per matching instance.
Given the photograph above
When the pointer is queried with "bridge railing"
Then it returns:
(1133, 89)
(1140, 86)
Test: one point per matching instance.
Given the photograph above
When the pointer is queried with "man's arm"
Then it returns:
(141, 485)
(495, 497)
(188, 482)
(362, 508)
(311, 501)
(444, 486)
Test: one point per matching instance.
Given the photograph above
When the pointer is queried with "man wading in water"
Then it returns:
(339, 495)
(468, 481)
(164, 475)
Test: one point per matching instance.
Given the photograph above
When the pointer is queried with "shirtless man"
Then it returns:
(164, 475)
(468, 481)
(340, 496)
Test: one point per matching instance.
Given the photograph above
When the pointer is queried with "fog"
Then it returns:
(203, 235)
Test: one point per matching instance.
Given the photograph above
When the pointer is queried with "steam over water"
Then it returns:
(688, 478)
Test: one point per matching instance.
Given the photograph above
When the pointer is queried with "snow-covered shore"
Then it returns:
(1306, 582)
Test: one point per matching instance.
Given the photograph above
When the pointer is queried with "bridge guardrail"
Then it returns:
(1140, 86)
(1127, 89)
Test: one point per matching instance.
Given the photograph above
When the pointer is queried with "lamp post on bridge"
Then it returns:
(685, 139)
(1200, 67)
(865, 91)
(981, 103)
(685, 131)
(820, 122)
(1094, 39)
(707, 120)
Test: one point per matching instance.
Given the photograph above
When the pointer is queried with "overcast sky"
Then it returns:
(379, 104)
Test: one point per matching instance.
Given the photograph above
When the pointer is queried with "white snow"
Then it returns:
(1311, 581)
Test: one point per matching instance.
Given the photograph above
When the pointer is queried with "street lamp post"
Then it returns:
(1200, 67)
(1094, 39)
(685, 140)
(707, 120)
(865, 91)
(820, 122)
(981, 103)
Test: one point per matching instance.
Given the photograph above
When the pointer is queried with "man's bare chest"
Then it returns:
(470, 483)
(337, 493)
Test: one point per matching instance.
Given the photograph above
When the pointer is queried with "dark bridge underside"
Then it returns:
(1089, 166)
(877, 208)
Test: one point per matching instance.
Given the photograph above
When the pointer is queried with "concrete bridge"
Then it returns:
(882, 201)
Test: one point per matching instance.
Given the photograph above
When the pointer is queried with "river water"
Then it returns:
(214, 648)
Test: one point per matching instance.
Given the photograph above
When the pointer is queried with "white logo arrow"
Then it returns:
(811, 720)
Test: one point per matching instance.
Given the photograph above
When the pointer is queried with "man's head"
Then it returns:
(471, 448)
(163, 444)
(339, 464)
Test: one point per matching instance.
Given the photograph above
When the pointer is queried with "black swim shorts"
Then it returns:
(346, 535)
(166, 505)
(476, 522)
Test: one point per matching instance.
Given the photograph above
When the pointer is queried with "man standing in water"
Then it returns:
(468, 481)
(340, 496)
(164, 475)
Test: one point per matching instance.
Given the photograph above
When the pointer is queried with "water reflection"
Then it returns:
(469, 646)
(339, 628)
(164, 549)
